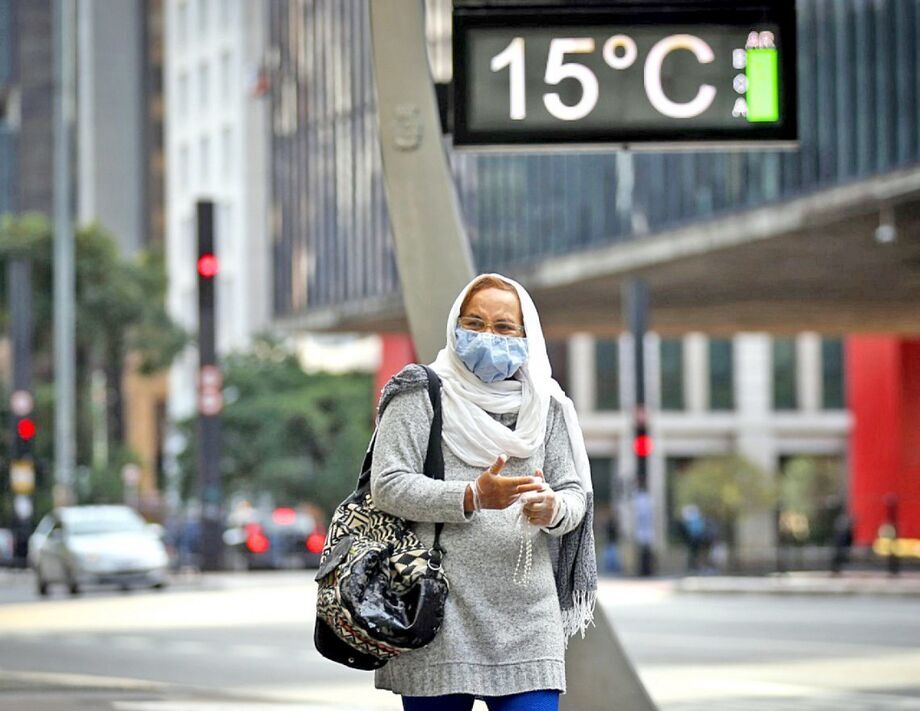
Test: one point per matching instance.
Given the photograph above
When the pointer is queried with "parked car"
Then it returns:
(7, 546)
(97, 545)
(283, 538)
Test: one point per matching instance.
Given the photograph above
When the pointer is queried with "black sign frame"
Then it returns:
(779, 12)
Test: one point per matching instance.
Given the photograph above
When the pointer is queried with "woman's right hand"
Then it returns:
(499, 492)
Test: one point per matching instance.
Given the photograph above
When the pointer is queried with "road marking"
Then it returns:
(618, 593)
(131, 642)
(873, 673)
(216, 609)
(254, 650)
(189, 646)
(221, 706)
(343, 696)
(76, 638)
(307, 655)
(717, 644)
(81, 680)
(850, 702)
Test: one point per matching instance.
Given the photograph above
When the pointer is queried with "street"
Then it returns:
(245, 641)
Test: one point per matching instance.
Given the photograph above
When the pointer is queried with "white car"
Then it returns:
(97, 545)
(7, 545)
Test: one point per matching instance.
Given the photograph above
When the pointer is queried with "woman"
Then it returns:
(518, 539)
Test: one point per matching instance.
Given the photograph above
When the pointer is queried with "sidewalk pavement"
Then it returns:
(804, 583)
(815, 582)
(36, 691)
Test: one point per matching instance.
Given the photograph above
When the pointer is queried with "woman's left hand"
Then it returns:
(540, 506)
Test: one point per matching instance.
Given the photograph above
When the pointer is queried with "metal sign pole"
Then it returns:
(64, 289)
(432, 251)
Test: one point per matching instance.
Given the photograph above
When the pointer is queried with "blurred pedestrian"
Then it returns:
(644, 532)
(889, 530)
(611, 551)
(518, 532)
(693, 531)
(189, 542)
(843, 540)
(718, 552)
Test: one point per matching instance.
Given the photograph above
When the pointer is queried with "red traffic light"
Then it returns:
(25, 428)
(208, 266)
(642, 445)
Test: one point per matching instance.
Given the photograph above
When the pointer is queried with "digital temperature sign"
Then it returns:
(692, 73)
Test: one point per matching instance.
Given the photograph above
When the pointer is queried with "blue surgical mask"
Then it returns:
(489, 356)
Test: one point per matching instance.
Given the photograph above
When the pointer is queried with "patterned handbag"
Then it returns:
(381, 592)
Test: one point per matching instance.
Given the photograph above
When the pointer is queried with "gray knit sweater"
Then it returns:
(497, 637)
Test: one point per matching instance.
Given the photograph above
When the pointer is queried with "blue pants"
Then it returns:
(543, 700)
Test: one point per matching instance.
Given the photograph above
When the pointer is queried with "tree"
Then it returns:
(119, 308)
(725, 488)
(811, 494)
(296, 436)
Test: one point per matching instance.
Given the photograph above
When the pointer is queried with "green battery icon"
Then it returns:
(762, 72)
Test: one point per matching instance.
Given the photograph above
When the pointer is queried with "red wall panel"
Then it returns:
(883, 394)
(397, 352)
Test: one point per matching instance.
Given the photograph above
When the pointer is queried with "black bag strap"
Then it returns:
(434, 456)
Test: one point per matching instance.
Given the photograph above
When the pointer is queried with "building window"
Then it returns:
(784, 374)
(601, 479)
(226, 154)
(225, 11)
(558, 352)
(832, 374)
(225, 230)
(203, 88)
(184, 166)
(721, 374)
(183, 95)
(205, 158)
(607, 374)
(672, 373)
(225, 77)
(188, 244)
(183, 24)
(202, 17)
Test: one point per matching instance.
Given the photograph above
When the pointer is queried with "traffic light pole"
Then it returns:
(22, 462)
(635, 305)
(433, 256)
(209, 397)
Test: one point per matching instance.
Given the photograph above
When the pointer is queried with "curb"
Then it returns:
(801, 585)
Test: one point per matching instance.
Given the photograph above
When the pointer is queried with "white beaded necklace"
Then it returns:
(527, 530)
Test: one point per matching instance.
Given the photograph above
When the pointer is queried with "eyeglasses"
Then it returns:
(502, 328)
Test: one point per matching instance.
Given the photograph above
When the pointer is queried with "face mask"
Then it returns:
(489, 356)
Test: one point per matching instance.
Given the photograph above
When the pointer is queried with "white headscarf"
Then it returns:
(475, 437)
(478, 439)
